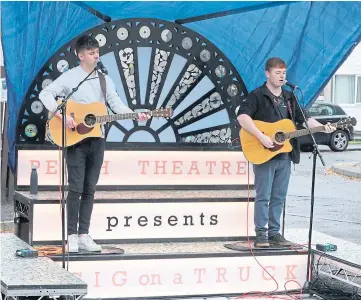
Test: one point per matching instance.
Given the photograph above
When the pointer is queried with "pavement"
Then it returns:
(351, 147)
(349, 169)
(346, 169)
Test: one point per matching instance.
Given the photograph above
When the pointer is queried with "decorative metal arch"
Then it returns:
(154, 64)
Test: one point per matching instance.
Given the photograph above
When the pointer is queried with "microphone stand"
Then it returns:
(62, 108)
(315, 152)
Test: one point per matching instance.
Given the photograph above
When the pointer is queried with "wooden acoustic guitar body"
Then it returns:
(84, 116)
(253, 149)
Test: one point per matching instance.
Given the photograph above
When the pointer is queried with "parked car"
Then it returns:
(323, 113)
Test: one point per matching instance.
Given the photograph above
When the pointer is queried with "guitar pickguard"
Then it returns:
(275, 148)
(83, 129)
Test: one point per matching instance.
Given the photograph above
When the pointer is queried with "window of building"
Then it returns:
(347, 89)
(344, 89)
(358, 94)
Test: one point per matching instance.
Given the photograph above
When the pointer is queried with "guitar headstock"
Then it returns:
(162, 112)
(347, 122)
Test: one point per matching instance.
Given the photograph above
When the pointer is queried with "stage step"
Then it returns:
(195, 269)
(144, 216)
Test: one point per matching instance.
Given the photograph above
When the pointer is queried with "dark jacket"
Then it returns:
(259, 105)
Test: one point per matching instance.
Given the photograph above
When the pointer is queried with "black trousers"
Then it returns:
(84, 162)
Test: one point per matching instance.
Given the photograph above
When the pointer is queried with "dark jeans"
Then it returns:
(84, 162)
(271, 184)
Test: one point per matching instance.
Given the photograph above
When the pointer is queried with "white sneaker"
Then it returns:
(87, 243)
(73, 243)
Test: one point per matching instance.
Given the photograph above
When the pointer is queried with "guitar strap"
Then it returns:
(289, 107)
(103, 87)
(290, 110)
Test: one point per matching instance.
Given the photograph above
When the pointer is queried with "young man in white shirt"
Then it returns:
(84, 160)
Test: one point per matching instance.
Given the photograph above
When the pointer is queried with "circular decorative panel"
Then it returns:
(154, 64)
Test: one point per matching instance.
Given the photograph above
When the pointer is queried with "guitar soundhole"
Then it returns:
(90, 120)
(280, 137)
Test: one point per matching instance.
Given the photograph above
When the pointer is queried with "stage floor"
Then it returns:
(191, 249)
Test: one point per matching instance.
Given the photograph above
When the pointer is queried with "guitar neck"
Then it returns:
(111, 118)
(301, 132)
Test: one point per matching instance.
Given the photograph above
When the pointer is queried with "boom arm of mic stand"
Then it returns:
(64, 101)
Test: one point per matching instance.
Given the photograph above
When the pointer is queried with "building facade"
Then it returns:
(344, 88)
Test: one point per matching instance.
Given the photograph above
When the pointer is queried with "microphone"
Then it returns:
(102, 68)
(292, 86)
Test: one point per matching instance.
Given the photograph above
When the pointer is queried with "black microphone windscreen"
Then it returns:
(102, 68)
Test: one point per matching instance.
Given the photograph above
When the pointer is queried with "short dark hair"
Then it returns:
(275, 62)
(85, 42)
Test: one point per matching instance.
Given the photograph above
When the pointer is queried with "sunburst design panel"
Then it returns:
(153, 64)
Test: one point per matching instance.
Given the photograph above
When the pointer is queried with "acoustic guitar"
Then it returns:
(280, 133)
(89, 118)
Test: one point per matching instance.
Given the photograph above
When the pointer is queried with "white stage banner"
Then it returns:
(124, 279)
(134, 168)
(134, 221)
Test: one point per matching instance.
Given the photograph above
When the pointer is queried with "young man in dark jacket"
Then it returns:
(271, 103)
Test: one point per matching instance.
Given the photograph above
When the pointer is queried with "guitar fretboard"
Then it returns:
(297, 133)
(110, 118)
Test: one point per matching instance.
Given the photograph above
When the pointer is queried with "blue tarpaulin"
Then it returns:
(314, 38)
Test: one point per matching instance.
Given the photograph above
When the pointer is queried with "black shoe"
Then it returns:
(261, 241)
(279, 240)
